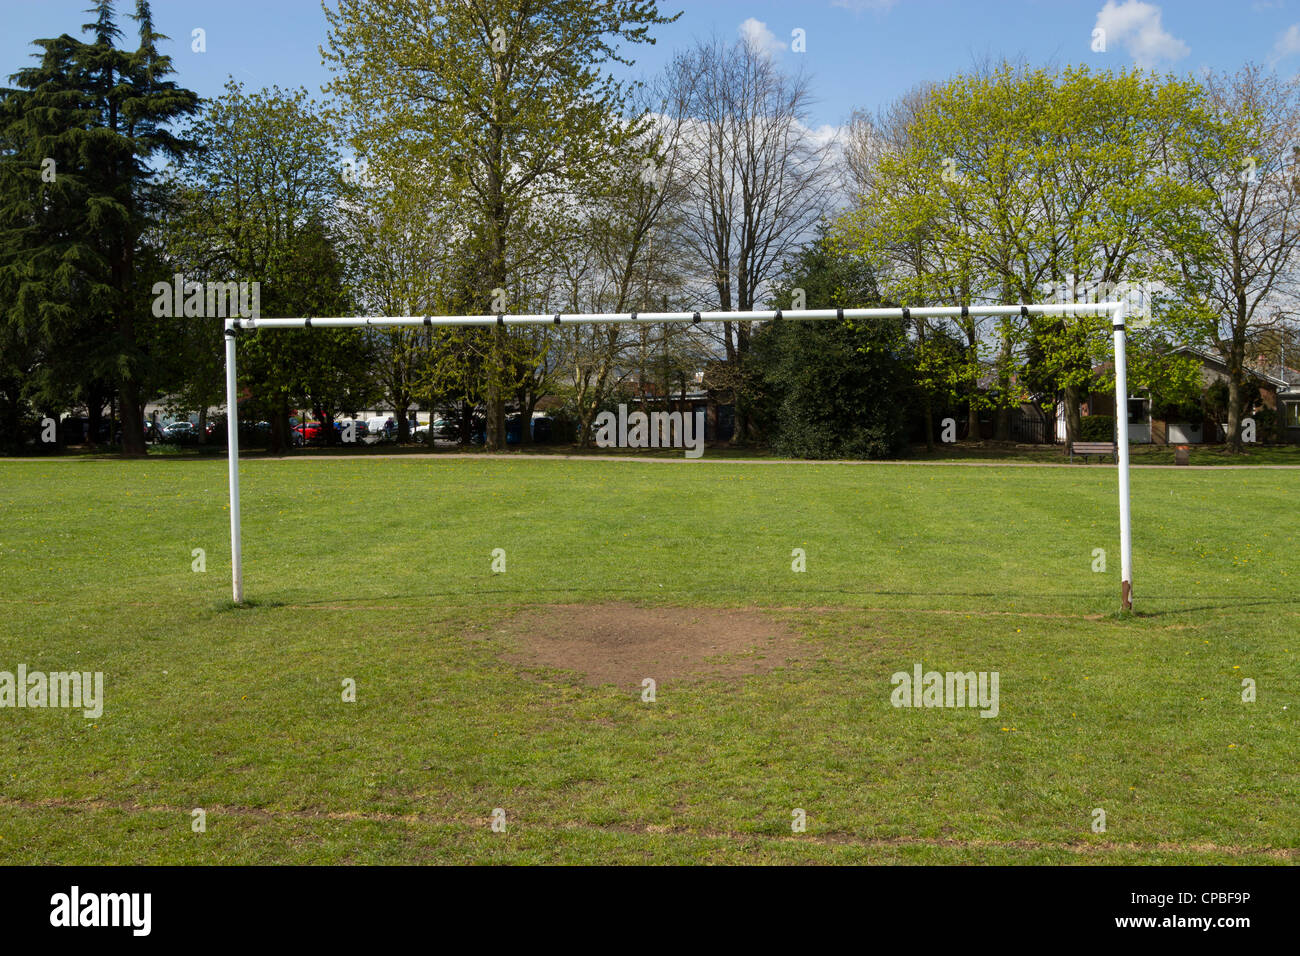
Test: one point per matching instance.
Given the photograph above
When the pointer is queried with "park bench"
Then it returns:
(1086, 448)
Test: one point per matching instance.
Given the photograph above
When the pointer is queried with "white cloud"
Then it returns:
(1136, 26)
(758, 37)
(858, 6)
(1287, 43)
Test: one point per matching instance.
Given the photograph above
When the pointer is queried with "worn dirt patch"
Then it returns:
(623, 643)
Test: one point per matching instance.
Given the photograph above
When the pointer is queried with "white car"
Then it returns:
(382, 429)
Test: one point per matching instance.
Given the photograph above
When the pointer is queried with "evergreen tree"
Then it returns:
(78, 197)
(831, 389)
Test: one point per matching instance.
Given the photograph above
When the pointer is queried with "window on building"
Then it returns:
(1293, 414)
(1139, 411)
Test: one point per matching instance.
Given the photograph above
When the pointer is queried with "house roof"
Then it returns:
(1205, 356)
(1284, 374)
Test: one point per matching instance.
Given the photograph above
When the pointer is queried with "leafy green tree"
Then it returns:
(502, 106)
(833, 389)
(1016, 185)
(938, 370)
(400, 264)
(264, 189)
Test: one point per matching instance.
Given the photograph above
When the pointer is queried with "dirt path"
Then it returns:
(834, 838)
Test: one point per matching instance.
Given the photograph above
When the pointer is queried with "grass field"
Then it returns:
(380, 571)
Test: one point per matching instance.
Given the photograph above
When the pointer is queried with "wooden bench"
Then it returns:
(1086, 448)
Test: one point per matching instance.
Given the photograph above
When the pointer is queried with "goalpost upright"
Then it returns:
(1114, 309)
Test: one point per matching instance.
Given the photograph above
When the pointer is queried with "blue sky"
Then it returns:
(860, 53)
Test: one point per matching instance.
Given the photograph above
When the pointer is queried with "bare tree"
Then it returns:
(1241, 280)
(757, 182)
(626, 256)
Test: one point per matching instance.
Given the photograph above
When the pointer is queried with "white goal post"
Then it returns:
(1115, 310)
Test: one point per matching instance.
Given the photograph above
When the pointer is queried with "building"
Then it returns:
(1282, 394)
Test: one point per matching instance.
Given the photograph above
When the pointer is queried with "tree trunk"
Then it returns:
(743, 427)
(929, 423)
(466, 431)
(1002, 430)
(1073, 420)
(94, 415)
(326, 418)
(402, 400)
(132, 420)
(496, 403)
(1236, 395)
(280, 440)
(972, 407)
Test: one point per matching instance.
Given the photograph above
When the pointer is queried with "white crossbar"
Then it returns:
(604, 318)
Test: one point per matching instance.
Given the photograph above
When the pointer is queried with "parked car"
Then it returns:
(360, 430)
(257, 433)
(76, 431)
(309, 433)
(181, 433)
(539, 429)
(382, 429)
(442, 429)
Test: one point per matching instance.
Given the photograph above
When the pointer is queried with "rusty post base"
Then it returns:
(1126, 595)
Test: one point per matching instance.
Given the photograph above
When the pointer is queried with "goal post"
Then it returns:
(1114, 309)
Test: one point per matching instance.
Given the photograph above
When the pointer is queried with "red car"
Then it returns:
(309, 433)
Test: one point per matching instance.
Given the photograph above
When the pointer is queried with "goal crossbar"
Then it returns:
(1116, 311)
(604, 318)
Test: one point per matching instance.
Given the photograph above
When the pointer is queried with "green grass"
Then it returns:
(1198, 455)
(379, 570)
(983, 452)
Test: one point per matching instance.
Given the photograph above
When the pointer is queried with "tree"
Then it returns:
(1238, 282)
(499, 104)
(831, 389)
(1012, 185)
(403, 261)
(757, 182)
(626, 256)
(265, 186)
(79, 196)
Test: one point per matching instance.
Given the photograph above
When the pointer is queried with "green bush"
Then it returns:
(832, 389)
(1266, 422)
(1097, 428)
